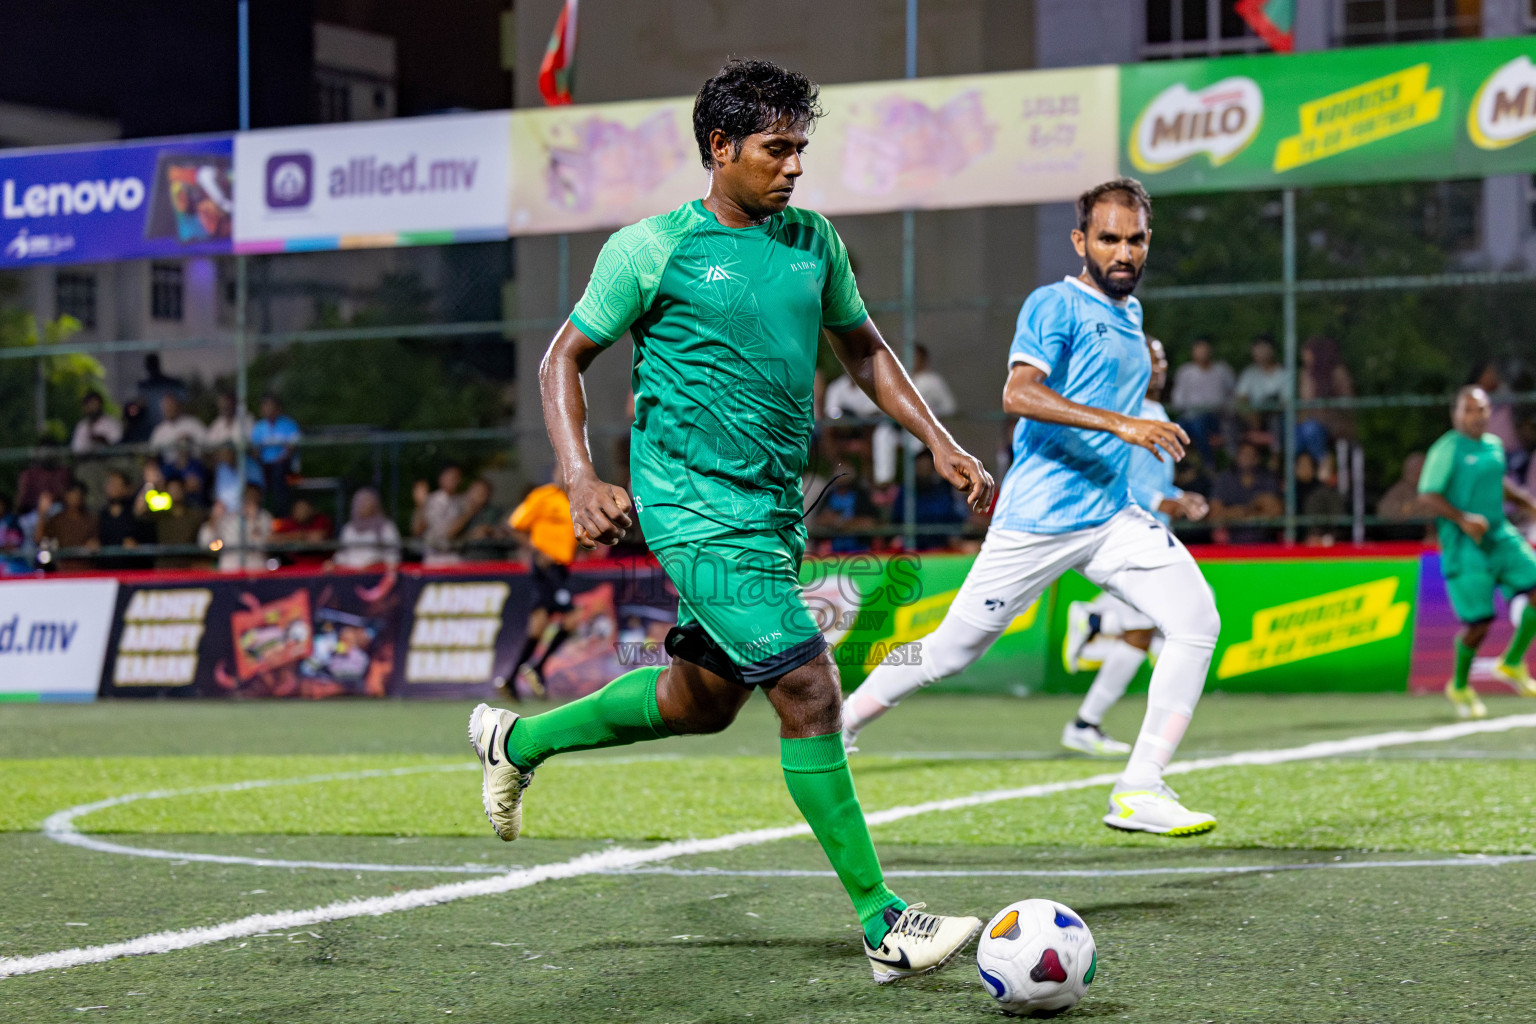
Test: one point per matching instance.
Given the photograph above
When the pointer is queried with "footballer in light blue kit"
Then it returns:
(1078, 374)
(1106, 633)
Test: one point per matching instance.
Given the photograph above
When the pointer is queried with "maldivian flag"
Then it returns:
(558, 68)
(1273, 21)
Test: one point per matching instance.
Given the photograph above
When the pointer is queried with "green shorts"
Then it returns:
(1473, 571)
(740, 612)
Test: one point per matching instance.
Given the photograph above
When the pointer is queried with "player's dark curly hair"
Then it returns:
(750, 96)
(1127, 191)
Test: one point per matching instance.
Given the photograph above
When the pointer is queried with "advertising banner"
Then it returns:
(932, 143)
(1390, 113)
(411, 181)
(1302, 625)
(169, 198)
(53, 636)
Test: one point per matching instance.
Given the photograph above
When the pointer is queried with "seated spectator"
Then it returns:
(489, 524)
(184, 464)
(137, 423)
(119, 526)
(67, 526)
(441, 516)
(179, 525)
(153, 495)
(227, 482)
(847, 508)
(1260, 392)
(1202, 395)
(369, 539)
(935, 391)
(1317, 494)
(11, 537)
(95, 429)
(936, 504)
(1246, 491)
(1400, 504)
(1323, 376)
(175, 428)
(274, 436)
(303, 525)
(221, 534)
(844, 400)
(44, 473)
(226, 426)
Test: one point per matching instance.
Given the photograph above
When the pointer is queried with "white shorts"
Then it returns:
(1118, 618)
(1014, 568)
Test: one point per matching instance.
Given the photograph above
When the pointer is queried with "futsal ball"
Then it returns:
(1036, 956)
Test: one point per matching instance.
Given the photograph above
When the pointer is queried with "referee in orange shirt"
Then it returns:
(543, 520)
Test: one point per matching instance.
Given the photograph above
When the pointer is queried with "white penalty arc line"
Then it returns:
(621, 858)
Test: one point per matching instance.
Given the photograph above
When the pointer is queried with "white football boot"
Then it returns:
(1082, 626)
(1093, 741)
(501, 782)
(918, 943)
(1156, 810)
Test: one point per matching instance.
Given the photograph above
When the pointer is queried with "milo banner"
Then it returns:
(1389, 113)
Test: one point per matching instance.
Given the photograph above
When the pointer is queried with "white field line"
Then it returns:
(620, 858)
(1462, 861)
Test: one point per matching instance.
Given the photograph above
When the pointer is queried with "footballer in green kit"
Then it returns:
(1463, 483)
(726, 299)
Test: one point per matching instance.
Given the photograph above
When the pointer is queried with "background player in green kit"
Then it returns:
(1464, 484)
(726, 300)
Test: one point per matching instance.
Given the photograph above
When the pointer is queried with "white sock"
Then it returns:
(947, 650)
(1176, 684)
(1120, 664)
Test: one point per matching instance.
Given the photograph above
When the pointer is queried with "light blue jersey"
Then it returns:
(1151, 480)
(1092, 352)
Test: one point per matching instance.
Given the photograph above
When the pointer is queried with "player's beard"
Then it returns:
(1115, 288)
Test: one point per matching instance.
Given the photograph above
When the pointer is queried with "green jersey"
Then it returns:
(726, 322)
(1470, 475)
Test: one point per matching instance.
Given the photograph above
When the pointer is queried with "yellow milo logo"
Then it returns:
(1360, 115)
(1318, 625)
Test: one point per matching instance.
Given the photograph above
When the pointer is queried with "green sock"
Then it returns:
(816, 771)
(622, 712)
(1524, 633)
(1464, 656)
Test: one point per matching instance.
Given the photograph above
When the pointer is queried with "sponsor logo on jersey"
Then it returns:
(1504, 110)
(1314, 626)
(1219, 121)
(716, 273)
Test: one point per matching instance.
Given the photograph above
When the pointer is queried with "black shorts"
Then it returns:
(551, 587)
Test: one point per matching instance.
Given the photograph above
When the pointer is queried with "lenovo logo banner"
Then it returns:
(402, 182)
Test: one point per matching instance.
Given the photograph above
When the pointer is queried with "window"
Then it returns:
(1363, 22)
(165, 291)
(75, 295)
(1197, 28)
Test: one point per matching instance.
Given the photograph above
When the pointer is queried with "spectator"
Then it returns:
(1501, 419)
(221, 534)
(43, 473)
(301, 527)
(176, 426)
(95, 429)
(227, 426)
(487, 526)
(1323, 376)
(940, 399)
(11, 536)
(936, 504)
(844, 399)
(1261, 391)
(178, 525)
(153, 495)
(1400, 503)
(1244, 492)
(118, 526)
(70, 526)
(227, 482)
(1317, 494)
(183, 464)
(441, 516)
(274, 436)
(1202, 394)
(155, 386)
(846, 509)
(137, 424)
(369, 539)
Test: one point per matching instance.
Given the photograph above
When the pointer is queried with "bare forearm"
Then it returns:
(1519, 495)
(1437, 504)
(880, 375)
(564, 401)
(1035, 401)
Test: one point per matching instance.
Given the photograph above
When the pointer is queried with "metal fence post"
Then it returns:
(242, 297)
(909, 318)
(1288, 293)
